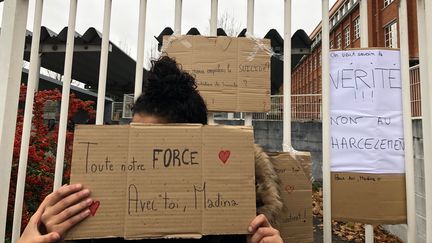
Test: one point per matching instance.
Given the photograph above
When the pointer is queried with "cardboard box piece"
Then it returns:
(162, 181)
(368, 198)
(233, 74)
(294, 171)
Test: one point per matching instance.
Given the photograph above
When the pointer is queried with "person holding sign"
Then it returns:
(170, 97)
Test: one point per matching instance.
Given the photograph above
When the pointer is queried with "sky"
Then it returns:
(269, 14)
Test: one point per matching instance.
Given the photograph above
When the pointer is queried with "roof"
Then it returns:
(86, 59)
(50, 83)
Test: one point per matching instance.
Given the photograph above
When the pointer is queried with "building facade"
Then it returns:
(383, 20)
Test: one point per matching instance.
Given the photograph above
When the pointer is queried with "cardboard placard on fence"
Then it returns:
(161, 181)
(293, 170)
(233, 74)
(368, 198)
(367, 138)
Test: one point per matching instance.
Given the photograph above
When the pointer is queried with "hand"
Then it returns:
(65, 208)
(32, 234)
(262, 231)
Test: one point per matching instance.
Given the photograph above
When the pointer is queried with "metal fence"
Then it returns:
(416, 111)
(303, 107)
(275, 113)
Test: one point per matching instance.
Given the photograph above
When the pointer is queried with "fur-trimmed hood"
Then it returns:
(268, 187)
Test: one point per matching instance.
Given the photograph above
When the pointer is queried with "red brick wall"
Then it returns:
(308, 81)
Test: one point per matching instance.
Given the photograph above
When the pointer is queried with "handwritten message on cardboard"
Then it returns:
(296, 224)
(161, 181)
(368, 198)
(366, 112)
(233, 74)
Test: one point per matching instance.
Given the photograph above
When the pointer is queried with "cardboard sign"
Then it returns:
(297, 223)
(368, 198)
(233, 74)
(367, 140)
(162, 181)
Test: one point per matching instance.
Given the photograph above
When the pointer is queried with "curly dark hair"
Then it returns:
(171, 94)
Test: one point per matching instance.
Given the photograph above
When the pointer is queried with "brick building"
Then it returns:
(383, 21)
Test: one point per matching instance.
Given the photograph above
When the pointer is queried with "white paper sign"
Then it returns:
(366, 112)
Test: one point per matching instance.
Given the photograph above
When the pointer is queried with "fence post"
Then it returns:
(140, 50)
(33, 80)
(64, 110)
(424, 11)
(11, 52)
(213, 32)
(103, 64)
(407, 121)
(286, 144)
(326, 122)
(178, 17)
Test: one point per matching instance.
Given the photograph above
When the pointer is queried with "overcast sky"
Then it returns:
(160, 13)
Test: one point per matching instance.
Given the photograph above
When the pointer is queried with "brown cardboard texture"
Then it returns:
(368, 198)
(162, 181)
(233, 74)
(293, 170)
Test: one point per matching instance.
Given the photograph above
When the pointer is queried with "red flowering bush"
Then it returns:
(42, 151)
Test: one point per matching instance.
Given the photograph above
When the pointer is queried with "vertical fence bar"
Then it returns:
(364, 43)
(11, 52)
(250, 32)
(213, 32)
(33, 78)
(407, 121)
(424, 15)
(250, 16)
(364, 33)
(39, 59)
(326, 122)
(103, 64)
(178, 17)
(141, 48)
(213, 17)
(286, 146)
(65, 95)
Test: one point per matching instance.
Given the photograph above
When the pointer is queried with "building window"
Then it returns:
(347, 36)
(331, 44)
(390, 35)
(339, 41)
(357, 28)
(387, 2)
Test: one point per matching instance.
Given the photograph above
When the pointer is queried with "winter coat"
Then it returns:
(268, 202)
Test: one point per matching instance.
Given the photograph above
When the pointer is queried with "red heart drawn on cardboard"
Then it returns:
(224, 155)
(94, 207)
(289, 189)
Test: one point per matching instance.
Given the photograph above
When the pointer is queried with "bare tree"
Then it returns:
(229, 24)
(124, 46)
(152, 53)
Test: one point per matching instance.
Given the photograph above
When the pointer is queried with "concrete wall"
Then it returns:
(307, 136)
(268, 134)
